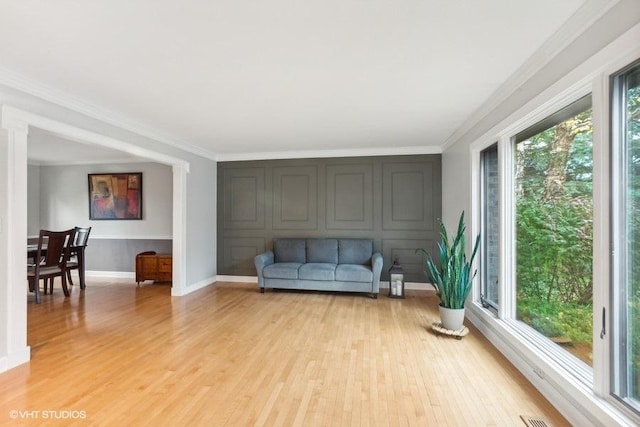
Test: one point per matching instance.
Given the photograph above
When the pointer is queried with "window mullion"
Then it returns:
(506, 289)
(602, 178)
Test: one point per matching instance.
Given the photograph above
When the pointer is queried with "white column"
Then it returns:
(179, 280)
(13, 239)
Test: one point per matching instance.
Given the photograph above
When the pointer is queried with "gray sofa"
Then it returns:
(348, 265)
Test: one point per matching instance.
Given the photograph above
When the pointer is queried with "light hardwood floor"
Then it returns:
(227, 355)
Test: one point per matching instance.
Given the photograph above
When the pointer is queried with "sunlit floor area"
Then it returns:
(227, 355)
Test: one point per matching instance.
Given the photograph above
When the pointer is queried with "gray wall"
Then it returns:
(119, 255)
(64, 200)
(394, 200)
(58, 199)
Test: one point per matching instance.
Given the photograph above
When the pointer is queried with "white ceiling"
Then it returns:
(234, 77)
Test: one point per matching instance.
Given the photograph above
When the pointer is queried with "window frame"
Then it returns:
(572, 108)
(583, 397)
(618, 248)
(483, 261)
(506, 311)
(566, 362)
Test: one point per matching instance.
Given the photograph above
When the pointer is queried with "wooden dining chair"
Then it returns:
(76, 255)
(53, 253)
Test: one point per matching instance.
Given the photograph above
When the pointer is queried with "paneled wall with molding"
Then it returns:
(394, 200)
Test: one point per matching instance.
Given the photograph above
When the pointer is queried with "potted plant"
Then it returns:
(452, 277)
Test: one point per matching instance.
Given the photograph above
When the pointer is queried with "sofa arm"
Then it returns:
(376, 267)
(261, 261)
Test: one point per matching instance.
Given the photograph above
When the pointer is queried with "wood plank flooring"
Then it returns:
(227, 355)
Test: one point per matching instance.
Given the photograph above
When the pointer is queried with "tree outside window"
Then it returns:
(554, 228)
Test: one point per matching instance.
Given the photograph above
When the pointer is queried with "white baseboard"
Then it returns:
(132, 275)
(112, 274)
(14, 359)
(416, 286)
(243, 279)
(195, 286)
(383, 285)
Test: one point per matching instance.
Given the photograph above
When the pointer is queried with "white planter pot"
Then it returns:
(451, 318)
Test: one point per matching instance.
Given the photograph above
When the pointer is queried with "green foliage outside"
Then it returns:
(554, 216)
(555, 251)
(554, 232)
(553, 319)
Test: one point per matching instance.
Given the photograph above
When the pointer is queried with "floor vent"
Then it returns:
(535, 421)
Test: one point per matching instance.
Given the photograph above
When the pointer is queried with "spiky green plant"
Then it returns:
(453, 279)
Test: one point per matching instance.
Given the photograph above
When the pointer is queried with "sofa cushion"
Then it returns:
(353, 273)
(317, 271)
(355, 251)
(322, 250)
(289, 250)
(282, 270)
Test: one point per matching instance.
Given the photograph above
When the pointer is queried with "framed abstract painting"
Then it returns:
(115, 196)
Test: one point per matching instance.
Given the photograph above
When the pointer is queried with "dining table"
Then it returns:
(32, 252)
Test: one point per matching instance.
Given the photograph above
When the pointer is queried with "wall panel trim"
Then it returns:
(333, 198)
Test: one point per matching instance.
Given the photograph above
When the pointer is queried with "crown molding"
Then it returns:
(570, 30)
(23, 84)
(364, 152)
(123, 160)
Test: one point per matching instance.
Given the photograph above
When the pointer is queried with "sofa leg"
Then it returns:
(374, 296)
(262, 290)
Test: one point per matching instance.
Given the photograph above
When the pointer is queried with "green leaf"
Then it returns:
(453, 279)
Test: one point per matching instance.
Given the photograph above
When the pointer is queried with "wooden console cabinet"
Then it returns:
(153, 266)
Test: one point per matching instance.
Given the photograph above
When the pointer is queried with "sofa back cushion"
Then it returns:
(355, 251)
(322, 250)
(289, 250)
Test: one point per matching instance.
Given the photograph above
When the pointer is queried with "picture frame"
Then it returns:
(115, 196)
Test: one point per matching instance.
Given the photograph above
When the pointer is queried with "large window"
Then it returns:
(490, 226)
(557, 204)
(626, 236)
(554, 228)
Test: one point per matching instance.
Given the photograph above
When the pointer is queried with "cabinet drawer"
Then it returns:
(164, 265)
(149, 264)
(152, 266)
(164, 276)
